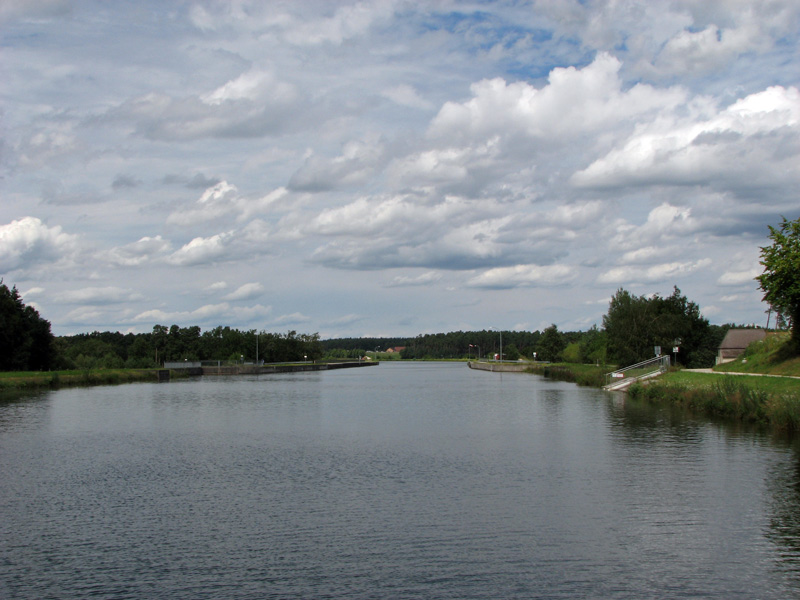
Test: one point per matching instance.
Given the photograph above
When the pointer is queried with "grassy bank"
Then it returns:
(33, 380)
(752, 398)
(588, 375)
(773, 400)
(766, 400)
(774, 356)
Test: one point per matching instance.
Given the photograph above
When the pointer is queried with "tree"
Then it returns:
(780, 280)
(26, 342)
(635, 325)
(550, 344)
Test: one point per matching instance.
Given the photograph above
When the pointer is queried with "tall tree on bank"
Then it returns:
(26, 342)
(635, 325)
(780, 281)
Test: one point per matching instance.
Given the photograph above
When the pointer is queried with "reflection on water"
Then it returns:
(405, 480)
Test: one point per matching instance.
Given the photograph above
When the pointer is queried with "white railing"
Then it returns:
(647, 368)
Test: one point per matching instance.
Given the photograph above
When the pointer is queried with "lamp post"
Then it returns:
(500, 331)
(501, 346)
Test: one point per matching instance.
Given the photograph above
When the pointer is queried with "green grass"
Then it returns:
(752, 398)
(773, 355)
(33, 380)
(773, 399)
(589, 375)
(771, 385)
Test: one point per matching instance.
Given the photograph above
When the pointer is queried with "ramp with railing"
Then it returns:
(622, 378)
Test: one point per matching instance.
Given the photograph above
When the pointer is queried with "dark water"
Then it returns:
(397, 481)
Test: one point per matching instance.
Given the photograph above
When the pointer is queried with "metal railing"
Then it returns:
(646, 368)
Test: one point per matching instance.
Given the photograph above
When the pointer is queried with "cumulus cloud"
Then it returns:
(346, 22)
(140, 252)
(575, 102)
(197, 181)
(125, 181)
(407, 95)
(202, 250)
(755, 141)
(733, 278)
(223, 201)
(53, 143)
(408, 231)
(523, 276)
(426, 278)
(215, 202)
(204, 314)
(250, 106)
(628, 275)
(293, 318)
(359, 160)
(247, 291)
(32, 9)
(29, 242)
(98, 295)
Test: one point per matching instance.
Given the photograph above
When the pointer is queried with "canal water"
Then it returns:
(424, 480)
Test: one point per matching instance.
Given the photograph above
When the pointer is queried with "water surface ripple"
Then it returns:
(399, 481)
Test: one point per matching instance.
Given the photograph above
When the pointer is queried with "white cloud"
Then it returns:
(732, 278)
(293, 318)
(407, 95)
(140, 252)
(754, 141)
(433, 146)
(98, 295)
(524, 276)
(28, 242)
(574, 103)
(202, 250)
(346, 22)
(628, 275)
(426, 278)
(247, 291)
(208, 313)
(217, 286)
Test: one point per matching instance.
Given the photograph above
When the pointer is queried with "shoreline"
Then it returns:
(16, 382)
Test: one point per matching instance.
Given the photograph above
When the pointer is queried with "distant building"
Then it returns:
(736, 341)
(395, 349)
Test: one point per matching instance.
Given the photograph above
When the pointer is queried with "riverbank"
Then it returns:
(586, 375)
(748, 397)
(38, 380)
(773, 401)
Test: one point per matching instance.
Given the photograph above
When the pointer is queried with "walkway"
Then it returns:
(732, 373)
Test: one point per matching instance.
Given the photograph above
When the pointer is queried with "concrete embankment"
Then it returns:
(289, 368)
(498, 366)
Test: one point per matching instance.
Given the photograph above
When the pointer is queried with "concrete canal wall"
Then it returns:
(267, 369)
(502, 367)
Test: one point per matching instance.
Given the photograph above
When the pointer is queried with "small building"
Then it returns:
(736, 341)
(395, 349)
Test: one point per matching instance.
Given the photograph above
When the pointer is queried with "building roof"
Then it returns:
(739, 339)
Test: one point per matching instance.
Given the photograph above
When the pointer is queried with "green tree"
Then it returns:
(26, 342)
(511, 352)
(551, 344)
(780, 280)
(635, 325)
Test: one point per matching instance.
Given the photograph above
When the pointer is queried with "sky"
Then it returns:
(392, 167)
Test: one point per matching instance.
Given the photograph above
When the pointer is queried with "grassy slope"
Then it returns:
(774, 400)
(32, 380)
(771, 356)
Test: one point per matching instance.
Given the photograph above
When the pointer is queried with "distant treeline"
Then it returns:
(163, 344)
(632, 329)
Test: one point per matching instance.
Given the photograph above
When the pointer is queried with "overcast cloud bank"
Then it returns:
(392, 167)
